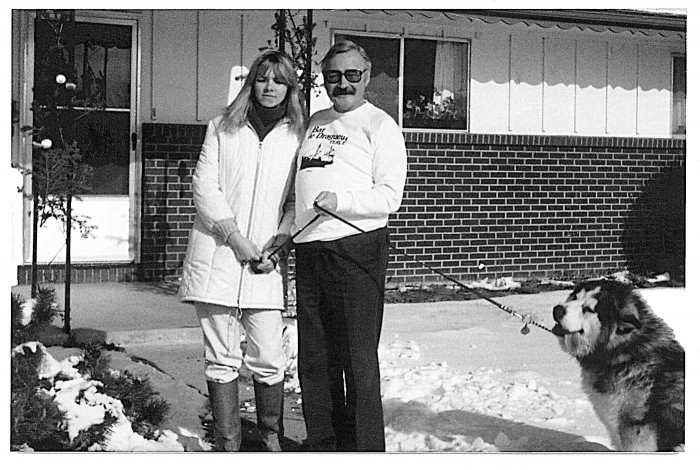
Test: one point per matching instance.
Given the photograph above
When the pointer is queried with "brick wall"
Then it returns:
(83, 273)
(535, 206)
(522, 206)
(170, 152)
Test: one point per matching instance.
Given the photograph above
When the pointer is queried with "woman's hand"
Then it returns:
(246, 251)
(272, 251)
(265, 265)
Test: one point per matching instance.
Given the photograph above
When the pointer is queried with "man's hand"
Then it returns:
(278, 245)
(326, 200)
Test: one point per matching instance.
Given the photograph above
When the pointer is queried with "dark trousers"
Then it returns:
(340, 306)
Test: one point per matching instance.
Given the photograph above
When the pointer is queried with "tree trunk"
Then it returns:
(309, 53)
(70, 46)
(35, 243)
(281, 30)
(69, 226)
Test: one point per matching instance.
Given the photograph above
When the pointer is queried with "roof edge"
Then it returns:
(651, 20)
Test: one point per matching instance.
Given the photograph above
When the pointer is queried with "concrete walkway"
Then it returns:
(115, 307)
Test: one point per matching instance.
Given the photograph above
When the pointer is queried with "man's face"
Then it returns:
(345, 95)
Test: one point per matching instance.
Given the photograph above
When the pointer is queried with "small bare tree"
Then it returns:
(293, 31)
(58, 171)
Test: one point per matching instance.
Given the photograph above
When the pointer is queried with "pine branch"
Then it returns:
(46, 309)
(35, 419)
(96, 435)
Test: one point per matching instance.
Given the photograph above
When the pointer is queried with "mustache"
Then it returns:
(343, 91)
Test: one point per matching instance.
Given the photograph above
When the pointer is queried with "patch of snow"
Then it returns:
(123, 439)
(502, 283)
(555, 282)
(430, 407)
(419, 442)
(47, 367)
(84, 406)
(673, 306)
(27, 307)
(665, 277)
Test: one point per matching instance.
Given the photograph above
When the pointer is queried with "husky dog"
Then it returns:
(632, 367)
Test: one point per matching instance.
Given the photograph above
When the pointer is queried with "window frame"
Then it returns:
(672, 132)
(402, 53)
(134, 20)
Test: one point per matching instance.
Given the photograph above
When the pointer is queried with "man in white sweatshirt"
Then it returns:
(352, 163)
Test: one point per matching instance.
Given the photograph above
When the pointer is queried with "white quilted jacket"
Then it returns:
(238, 176)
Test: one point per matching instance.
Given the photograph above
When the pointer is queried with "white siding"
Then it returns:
(622, 90)
(654, 91)
(174, 65)
(559, 89)
(591, 82)
(526, 85)
(257, 31)
(222, 28)
(489, 84)
(524, 80)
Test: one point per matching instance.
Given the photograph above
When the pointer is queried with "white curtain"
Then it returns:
(451, 74)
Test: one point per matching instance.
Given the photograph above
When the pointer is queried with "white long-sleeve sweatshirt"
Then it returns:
(361, 157)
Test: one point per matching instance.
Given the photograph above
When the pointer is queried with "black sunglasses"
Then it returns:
(351, 75)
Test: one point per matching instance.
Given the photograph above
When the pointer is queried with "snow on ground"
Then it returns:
(673, 305)
(433, 408)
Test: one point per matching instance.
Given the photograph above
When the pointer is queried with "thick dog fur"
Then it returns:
(632, 367)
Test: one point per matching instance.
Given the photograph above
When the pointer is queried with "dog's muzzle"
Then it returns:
(559, 312)
(560, 331)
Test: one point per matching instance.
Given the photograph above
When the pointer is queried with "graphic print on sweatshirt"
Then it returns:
(321, 148)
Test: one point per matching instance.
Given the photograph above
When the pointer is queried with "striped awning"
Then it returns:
(669, 24)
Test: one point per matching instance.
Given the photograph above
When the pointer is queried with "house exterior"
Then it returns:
(541, 143)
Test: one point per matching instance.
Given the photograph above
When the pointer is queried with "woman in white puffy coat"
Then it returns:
(243, 188)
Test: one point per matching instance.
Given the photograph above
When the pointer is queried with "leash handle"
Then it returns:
(527, 319)
(296, 234)
(326, 211)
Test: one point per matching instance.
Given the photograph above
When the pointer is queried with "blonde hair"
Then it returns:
(236, 114)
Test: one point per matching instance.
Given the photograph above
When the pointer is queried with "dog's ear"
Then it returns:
(628, 319)
(608, 304)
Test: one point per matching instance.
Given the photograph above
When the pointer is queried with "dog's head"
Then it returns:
(597, 316)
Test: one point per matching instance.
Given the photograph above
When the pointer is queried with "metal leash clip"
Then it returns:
(527, 319)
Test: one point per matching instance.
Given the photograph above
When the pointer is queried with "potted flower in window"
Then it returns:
(445, 113)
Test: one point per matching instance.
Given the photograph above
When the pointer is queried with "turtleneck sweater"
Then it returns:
(264, 119)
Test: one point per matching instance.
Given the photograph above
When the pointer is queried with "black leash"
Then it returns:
(296, 234)
(527, 319)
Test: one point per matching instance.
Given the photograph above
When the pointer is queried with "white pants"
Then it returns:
(221, 327)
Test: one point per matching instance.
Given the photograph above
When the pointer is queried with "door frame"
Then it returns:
(24, 147)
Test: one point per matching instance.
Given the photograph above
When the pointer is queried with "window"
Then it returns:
(102, 69)
(679, 90)
(434, 72)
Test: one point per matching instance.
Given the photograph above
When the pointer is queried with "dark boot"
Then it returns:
(269, 402)
(223, 398)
